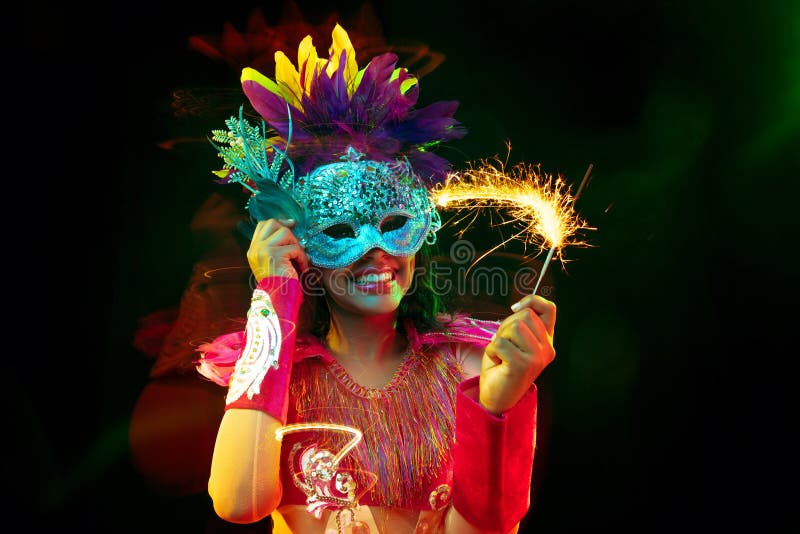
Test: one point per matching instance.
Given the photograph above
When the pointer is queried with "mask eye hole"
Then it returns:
(339, 231)
(393, 222)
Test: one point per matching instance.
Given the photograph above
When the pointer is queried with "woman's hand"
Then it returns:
(518, 353)
(275, 251)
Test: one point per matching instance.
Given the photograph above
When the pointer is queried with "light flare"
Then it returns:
(303, 427)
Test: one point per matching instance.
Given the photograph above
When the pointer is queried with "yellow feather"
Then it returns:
(341, 41)
(288, 78)
(252, 75)
(406, 84)
(307, 55)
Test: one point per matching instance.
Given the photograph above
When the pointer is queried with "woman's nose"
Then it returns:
(375, 254)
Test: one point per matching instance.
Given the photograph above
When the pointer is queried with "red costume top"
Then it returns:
(406, 458)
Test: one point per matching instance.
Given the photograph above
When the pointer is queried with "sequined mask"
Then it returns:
(357, 205)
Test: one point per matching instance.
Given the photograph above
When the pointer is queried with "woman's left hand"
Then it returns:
(518, 353)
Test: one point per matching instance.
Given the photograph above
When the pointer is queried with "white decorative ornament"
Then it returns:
(261, 350)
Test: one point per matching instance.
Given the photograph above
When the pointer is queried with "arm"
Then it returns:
(496, 422)
(245, 478)
(244, 484)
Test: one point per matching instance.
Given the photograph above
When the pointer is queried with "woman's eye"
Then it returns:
(394, 222)
(339, 231)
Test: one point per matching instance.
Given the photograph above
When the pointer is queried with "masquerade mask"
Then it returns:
(356, 205)
(342, 209)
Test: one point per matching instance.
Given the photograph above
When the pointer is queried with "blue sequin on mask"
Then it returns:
(355, 206)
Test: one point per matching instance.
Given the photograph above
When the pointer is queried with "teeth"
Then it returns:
(373, 278)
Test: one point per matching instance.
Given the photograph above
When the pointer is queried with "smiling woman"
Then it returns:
(346, 335)
(354, 403)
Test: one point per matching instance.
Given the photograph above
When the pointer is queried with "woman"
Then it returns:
(424, 422)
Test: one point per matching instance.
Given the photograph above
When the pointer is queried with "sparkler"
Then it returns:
(540, 204)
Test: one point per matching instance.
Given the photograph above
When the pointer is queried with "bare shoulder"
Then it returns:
(468, 337)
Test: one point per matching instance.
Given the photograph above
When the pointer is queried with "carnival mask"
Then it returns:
(354, 206)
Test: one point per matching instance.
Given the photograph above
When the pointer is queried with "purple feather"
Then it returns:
(378, 120)
(430, 124)
(273, 109)
(429, 167)
(339, 84)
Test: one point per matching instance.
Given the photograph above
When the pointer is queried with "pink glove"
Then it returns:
(262, 370)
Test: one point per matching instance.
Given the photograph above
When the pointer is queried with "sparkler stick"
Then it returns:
(540, 204)
(553, 248)
(544, 269)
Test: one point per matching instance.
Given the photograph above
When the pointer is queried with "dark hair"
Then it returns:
(422, 303)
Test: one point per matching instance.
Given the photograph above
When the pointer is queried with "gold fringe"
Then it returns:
(408, 425)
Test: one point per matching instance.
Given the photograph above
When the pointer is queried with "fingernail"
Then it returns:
(516, 306)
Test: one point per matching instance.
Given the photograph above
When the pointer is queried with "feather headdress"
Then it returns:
(332, 106)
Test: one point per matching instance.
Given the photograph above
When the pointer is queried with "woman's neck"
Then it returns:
(371, 339)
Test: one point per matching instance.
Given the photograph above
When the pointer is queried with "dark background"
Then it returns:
(671, 399)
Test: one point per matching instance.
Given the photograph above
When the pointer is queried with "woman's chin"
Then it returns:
(375, 304)
(372, 299)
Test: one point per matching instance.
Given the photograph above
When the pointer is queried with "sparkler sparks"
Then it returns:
(538, 206)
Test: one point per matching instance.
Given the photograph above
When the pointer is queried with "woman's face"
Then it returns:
(372, 285)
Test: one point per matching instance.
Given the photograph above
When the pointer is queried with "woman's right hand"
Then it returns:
(275, 251)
